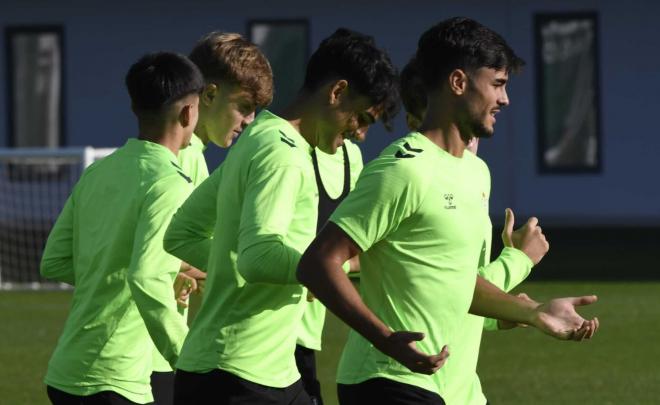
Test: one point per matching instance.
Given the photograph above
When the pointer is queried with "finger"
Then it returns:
(444, 353)
(524, 296)
(594, 327)
(509, 220)
(407, 336)
(584, 300)
(532, 222)
(579, 334)
(592, 330)
(440, 358)
(597, 322)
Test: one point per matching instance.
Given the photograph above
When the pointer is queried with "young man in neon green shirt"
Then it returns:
(506, 272)
(335, 177)
(417, 217)
(107, 243)
(238, 79)
(241, 345)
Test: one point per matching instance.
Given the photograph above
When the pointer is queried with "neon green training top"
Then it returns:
(419, 215)
(506, 272)
(265, 218)
(192, 163)
(108, 243)
(331, 169)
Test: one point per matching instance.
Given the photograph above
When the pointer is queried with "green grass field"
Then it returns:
(621, 365)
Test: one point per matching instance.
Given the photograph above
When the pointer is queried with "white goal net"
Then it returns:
(34, 184)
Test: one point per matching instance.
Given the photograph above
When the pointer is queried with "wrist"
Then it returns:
(531, 313)
(381, 338)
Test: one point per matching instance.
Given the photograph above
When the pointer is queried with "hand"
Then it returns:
(529, 238)
(501, 324)
(201, 284)
(191, 271)
(558, 318)
(401, 347)
(183, 286)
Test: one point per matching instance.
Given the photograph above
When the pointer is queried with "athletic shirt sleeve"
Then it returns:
(190, 232)
(152, 271)
(386, 194)
(507, 271)
(57, 259)
(268, 209)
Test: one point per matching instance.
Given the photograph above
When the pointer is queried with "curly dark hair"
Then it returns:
(413, 92)
(462, 43)
(354, 57)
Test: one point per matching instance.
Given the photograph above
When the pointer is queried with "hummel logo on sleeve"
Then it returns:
(402, 155)
(411, 149)
(399, 154)
(287, 140)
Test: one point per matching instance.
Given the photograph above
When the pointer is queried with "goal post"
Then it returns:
(34, 185)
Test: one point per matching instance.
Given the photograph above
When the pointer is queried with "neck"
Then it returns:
(442, 126)
(169, 138)
(202, 134)
(303, 115)
(200, 130)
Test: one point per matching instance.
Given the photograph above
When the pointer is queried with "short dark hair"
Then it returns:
(353, 56)
(230, 58)
(462, 43)
(413, 92)
(160, 79)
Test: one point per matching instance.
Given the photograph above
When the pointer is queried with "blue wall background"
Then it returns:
(102, 39)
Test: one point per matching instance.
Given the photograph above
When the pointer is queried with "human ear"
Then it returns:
(458, 81)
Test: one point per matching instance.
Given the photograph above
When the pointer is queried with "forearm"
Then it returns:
(510, 268)
(269, 261)
(326, 279)
(490, 301)
(190, 231)
(188, 244)
(57, 259)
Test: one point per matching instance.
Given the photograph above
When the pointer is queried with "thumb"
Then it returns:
(509, 219)
(584, 300)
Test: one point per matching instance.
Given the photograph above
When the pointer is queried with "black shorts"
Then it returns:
(162, 387)
(58, 397)
(306, 362)
(219, 387)
(386, 392)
